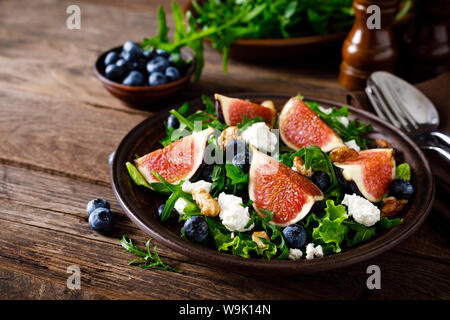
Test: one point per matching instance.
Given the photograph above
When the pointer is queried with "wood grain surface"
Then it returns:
(58, 126)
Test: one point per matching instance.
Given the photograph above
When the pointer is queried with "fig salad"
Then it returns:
(303, 183)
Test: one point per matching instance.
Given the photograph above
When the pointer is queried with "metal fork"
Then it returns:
(389, 107)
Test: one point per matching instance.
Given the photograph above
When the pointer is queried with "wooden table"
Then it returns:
(57, 128)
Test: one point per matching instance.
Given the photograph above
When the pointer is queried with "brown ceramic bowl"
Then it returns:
(141, 205)
(265, 50)
(144, 97)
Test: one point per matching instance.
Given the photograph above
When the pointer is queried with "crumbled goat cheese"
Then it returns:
(362, 210)
(352, 144)
(313, 252)
(295, 254)
(260, 136)
(180, 204)
(234, 216)
(190, 187)
(343, 120)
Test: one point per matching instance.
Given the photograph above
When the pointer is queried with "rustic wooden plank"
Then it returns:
(48, 213)
(59, 136)
(58, 49)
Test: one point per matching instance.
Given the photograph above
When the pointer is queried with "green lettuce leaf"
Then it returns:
(403, 171)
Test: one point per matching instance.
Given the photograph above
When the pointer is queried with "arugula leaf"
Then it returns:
(136, 176)
(210, 107)
(361, 234)
(403, 171)
(177, 193)
(318, 160)
(139, 180)
(386, 223)
(150, 260)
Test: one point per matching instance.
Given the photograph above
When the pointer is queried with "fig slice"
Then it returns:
(371, 171)
(301, 127)
(232, 110)
(180, 160)
(275, 187)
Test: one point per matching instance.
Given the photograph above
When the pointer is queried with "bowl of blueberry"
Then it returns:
(138, 77)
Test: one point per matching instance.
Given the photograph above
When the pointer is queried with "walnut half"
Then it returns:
(228, 135)
(256, 237)
(207, 204)
(392, 206)
(343, 154)
(299, 166)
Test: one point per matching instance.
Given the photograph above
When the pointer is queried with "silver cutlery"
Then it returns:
(401, 104)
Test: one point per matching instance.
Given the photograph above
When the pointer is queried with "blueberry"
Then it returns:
(122, 63)
(322, 180)
(149, 54)
(234, 147)
(159, 64)
(134, 78)
(173, 214)
(111, 57)
(130, 45)
(156, 79)
(401, 189)
(172, 73)
(172, 122)
(101, 220)
(242, 160)
(319, 206)
(196, 229)
(295, 236)
(140, 65)
(207, 171)
(162, 53)
(115, 73)
(95, 204)
(131, 55)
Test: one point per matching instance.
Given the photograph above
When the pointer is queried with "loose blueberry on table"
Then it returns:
(136, 67)
(100, 216)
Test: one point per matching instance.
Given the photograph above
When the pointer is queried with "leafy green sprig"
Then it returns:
(147, 258)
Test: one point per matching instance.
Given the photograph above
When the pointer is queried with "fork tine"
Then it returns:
(375, 103)
(401, 107)
(392, 116)
(390, 106)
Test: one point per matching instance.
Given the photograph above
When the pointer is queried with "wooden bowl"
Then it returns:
(144, 97)
(141, 204)
(265, 50)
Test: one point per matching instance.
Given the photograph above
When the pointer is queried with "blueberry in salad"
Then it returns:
(302, 194)
(295, 236)
(134, 66)
(196, 229)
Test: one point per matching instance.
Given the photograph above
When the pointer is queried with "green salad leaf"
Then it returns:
(403, 171)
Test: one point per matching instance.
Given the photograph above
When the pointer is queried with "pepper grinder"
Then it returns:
(368, 48)
(425, 49)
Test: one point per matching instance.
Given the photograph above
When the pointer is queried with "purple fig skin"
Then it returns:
(219, 111)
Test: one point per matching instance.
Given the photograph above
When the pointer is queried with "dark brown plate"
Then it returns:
(140, 205)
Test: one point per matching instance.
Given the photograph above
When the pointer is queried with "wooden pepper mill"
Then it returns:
(367, 50)
(425, 49)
